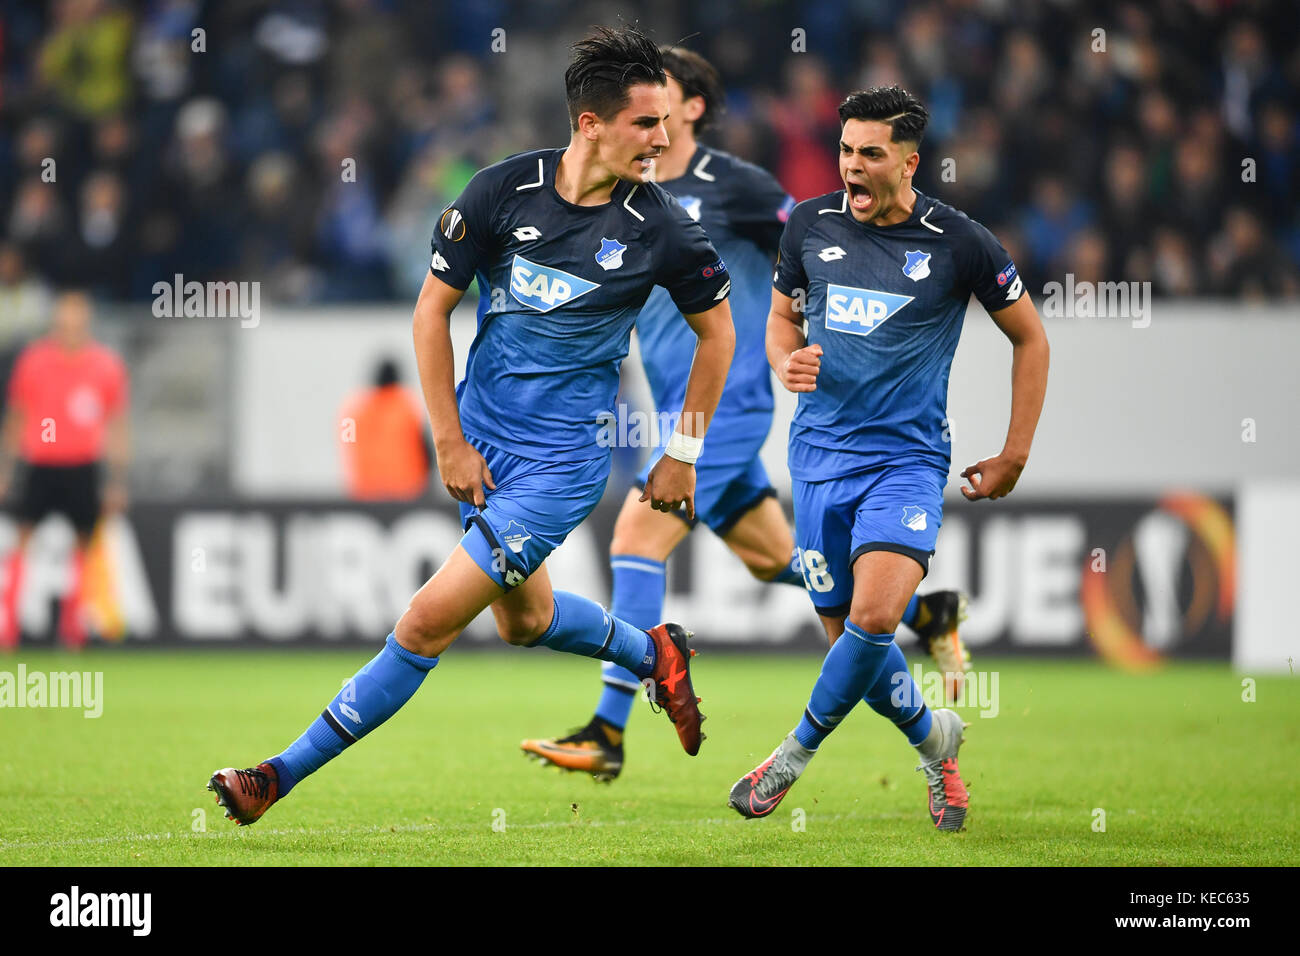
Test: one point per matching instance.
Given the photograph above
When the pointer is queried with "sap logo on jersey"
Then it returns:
(543, 288)
(860, 311)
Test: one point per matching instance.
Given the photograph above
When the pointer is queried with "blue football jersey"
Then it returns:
(743, 210)
(886, 304)
(560, 288)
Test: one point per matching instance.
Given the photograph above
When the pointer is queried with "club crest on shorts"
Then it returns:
(610, 255)
(917, 266)
(516, 536)
(914, 517)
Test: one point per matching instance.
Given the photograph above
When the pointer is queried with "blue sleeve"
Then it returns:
(759, 208)
(985, 267)
(790, 275)
(687, 264)
(465, 234)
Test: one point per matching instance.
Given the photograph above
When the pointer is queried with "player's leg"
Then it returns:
(33, 504)
(761, 537)
(82, 502)
(824, 515)
(11, 632)
(883, 583)
(642, 541)
(436, 616)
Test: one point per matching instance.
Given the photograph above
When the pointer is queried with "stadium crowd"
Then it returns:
(311, 145)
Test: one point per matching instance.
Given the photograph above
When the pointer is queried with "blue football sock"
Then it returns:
(639, 600)
(853, 664)
(581, 626)
(913, 608)
(896, 696)
(374, 694)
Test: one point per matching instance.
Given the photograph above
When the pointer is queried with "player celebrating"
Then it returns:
(566, 245)
(886, 273)
(743, 210)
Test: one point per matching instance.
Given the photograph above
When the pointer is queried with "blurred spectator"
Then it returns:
(24, 305)
(808, 129)
(387, 452)
(1050, 223)
(1244, 263)
(83, 60)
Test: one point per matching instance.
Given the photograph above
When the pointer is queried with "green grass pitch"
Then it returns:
(1185, 770)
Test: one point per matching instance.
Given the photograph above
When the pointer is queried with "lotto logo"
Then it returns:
(860, 311)
(543, 288)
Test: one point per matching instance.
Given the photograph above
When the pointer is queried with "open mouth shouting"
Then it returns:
(860, 197)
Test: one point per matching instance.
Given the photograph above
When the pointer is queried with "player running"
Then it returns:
(566, 245)
(883, 274)
(743, 210)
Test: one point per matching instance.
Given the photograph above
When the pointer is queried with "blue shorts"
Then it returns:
(534, 507)
(723, 493)
(898, 508)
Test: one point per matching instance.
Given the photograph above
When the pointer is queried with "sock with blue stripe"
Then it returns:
(374, 694)
(896, 696)
(852, 665)
(790, 574)
(581, 626)
(639, 600)
(913, 608)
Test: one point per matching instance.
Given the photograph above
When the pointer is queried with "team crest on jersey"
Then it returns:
(914, 517)
(692, 206)
(860, 311)
(516, 536)
(543, 288)
(917, 266)
(610, 255)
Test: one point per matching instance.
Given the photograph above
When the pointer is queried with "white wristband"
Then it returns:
(684, 448)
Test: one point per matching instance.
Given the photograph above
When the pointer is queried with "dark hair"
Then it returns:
(698, 78)
(604, 65)
(888, 104)
(387, 373)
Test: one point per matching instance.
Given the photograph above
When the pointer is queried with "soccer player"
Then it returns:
(743, 210)
(67, 413)
(883, 273)
(566, 245)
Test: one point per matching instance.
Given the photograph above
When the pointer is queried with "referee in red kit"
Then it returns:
(66, 414)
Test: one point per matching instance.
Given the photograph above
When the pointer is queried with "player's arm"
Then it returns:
(461, 468)
(795, 362)
(9, 445)
(995, 477)
(117, 456)
(672, 482)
